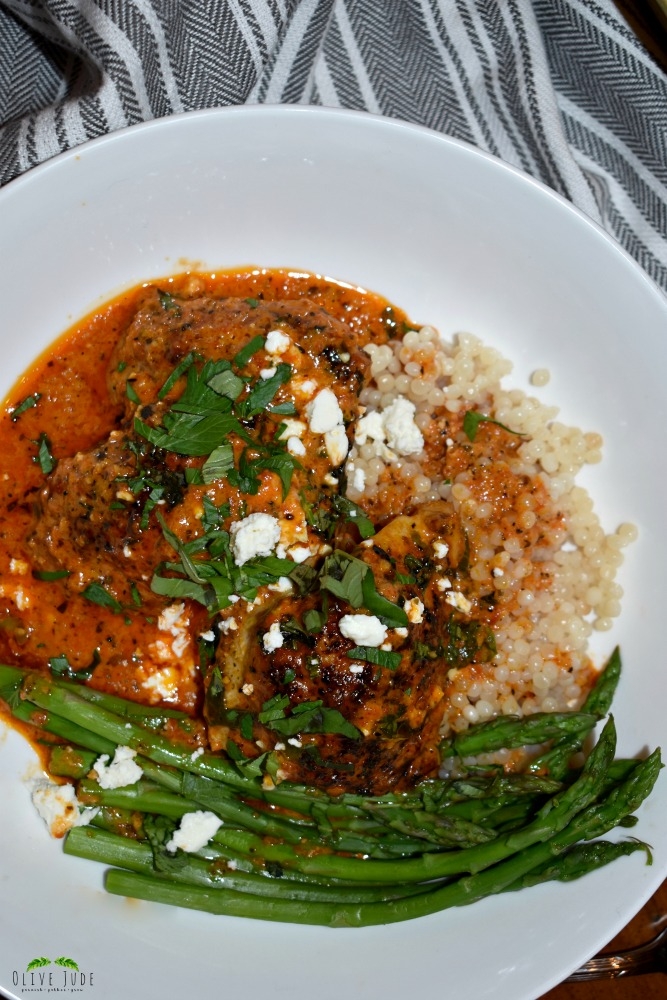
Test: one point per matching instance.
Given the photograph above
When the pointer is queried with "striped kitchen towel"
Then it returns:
(560, 88)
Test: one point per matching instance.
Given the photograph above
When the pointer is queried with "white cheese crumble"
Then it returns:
(359, 480)
(356, 668)
(267, 373)
(227, 625)
(276, 342)
(365, 630)
(395, 425)
(292, 428)
(123, 769)
(196, 753)
(295, 446)
(256, 535)
(194, 832)
(248, 689)
(175, 621)
(443, 583)
(299, 553)
(414, 609)
(207, 636)
(59, 808)
(440, 550)
(459, 601)
(273, 639)
(336, 444)
(401, 631)
(324, 412)
(283, 585)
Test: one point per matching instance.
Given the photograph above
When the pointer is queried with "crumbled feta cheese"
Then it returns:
(164, 682)
(175, 621)
(299, 553)
(330, 480)
(19, 567)
(194, 832)
(248, 689)
(414, 609)
(370, 428)
(293, 741)
(394, 425)
(279, 746)
(292, 428)
(127, 551)
(227, 625)
(359, 480)
(255, 535)
(196, 753)
(276, 342)
(443, 584)
(295, 446)
(324, 413)
(122, 771)
(207, 636)
(59, 808)
(440, 550)
(273, 639)
(460, 601)
(356, 668)
(232, 865)
(403, 435)
(401, 631)
(365, 630)
(267, 373)
(386, 646)
(336, 444)
(283, 585)
(304, 388)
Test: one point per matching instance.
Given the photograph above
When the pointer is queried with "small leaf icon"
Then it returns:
(67, 963)
(37, 963)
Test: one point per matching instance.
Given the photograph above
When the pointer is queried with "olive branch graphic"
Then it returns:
(39, 963)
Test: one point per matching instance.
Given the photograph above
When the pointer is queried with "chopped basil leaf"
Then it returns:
(179, 370)
(343, 575)
(219, 462)
(287, 408)
(354, 514)
(245, 354)
(96, 593)
(60, 667)
(388, 612)
(473, 419)
(253, 303)
(169, 303)
(263, 392)
(49, 575)
(131, 392)
(45, 459)
(226, 383)
(189, 433)
(371, 654)
(314, 620)
(26, 404)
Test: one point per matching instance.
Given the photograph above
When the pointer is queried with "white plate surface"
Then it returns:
(458, 240)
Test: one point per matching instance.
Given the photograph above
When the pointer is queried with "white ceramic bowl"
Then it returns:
(458, 240)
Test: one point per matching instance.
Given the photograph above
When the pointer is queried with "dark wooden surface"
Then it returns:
(648, 922)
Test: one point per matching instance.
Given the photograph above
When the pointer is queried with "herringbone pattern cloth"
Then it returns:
(559, 88)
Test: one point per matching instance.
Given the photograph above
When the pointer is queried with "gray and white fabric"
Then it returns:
(559, 88)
